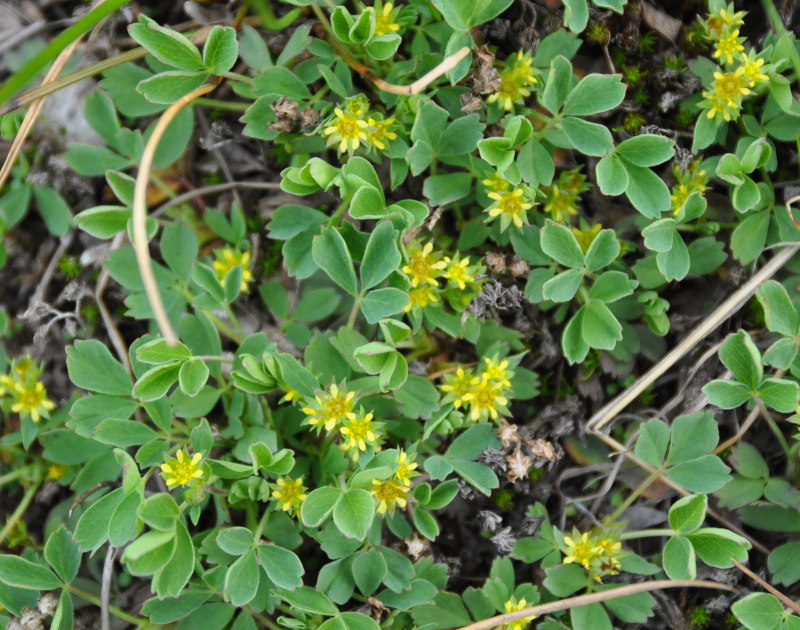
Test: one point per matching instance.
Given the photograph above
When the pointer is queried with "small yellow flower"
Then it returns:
(495, 183)
(560, 205)
(379, 132)
(731, 86)
(56, 471)
(515, 79)
(389, 494)
(329, 408)
(384, 23)
(587, 235)
(486, 400)
(405, 468)
(290, 493)
(512, 605)
(180, 470)
(289, 394)
(30, 399)
(421, 297)
(424, 266)
(752, 69)
(458, 272)
(719, 106)
(722, 21)
(609, 549)
(226, 259)
(359, 432)
(729, 46)
(510, 206)
(691, 180)
(346, 129)
(458, 387)
(580, 551)
(497, 372)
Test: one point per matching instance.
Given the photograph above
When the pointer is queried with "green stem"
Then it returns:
(234, 320)
(780, 29)
(268, 19)
(20, 510)
(235, 76)
(137, 621)
(635, 494)
(646, 533)
(223, 327)
(261, 525)
(14, 474)
(335, 218)
(351, 320)
(220, 104)
(54, 48)
(774, 426)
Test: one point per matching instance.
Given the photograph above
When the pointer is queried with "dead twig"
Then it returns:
(786, 601)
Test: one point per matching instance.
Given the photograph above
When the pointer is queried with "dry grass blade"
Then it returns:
(592, 598)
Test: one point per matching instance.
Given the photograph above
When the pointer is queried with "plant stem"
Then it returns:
(121, 614)
(335, 218)
(774, 426)
(216, 103)
(645, 533)
(351, 320)
(14, 474)
(20, 510)
(223, 327)
(780, 29)
(268, 19)
(635, 494)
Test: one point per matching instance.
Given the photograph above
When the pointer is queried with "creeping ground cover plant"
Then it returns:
(414, 315)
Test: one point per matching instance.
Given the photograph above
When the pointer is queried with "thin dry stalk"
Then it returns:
(591, 598)
(786, 601)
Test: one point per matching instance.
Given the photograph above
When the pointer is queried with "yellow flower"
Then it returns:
(358, 433)
(731, 86)
(728, 46)
(424, 266)
(692, 179)
(30, 399)
(587, 235)
(457, 271)
(180, 470)
(497, 372)
(515, 79)
(6, 384)
(560, 205)
(56, 471)
(290, 493)
(486, 400)
(609, 549)
(405, 468)
(290, 394)
(510, 206)
(581, 551)
(752, 69)
(228, 258)
(512, 605)
(389, 493)
(346, 129)
(421, 297)
(458, 387)
(328, 408)
(723, 20)
(384, 19)
(495, 183)
(718, 105)
(380, 131)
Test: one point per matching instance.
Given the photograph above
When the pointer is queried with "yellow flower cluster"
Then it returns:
(226, 259)
(586, 234)
(290, 494)
(393, 492)
(353, 125)
(182, 469)
(26, 394)
(597, 554)
(482, 395)
(564, 195)
(691, 180)
(425, 268)
(384, 18)
(513, 605)
(742, 70)
(516, 77)
(510, 202)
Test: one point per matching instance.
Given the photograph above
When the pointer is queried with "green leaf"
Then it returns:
(54, 210)
(369, 569)
(780, 394)
(558, 84)
(693, 435)
(727, 394)
(759, 611)
(160, 512)
(780, 314)
(572, 342)
(367, 203)
(103, 221)
(330, 253)
(747, 461)
(354, 512)
(749, 237)
(309, 600)
(179, 248)
(562, 287)
(236, 541)
(646, 150)
(193, 376)
(444, 189)
(674, 263)
(381, 303)
(564, 579)
(318, 505)
(472, 442)
(281, 81)
(16, 571)
(460, 137)
(282, 566)
(591, 617)
(611, 286)
(166, 45)
(783, 565)
(576, 15)
(220, 50)
(595, 93)
(167, 87)
(704, 474)
(124, 433)
(603, 250)
(651, 447)
(587, 137)
(92, 529)
(612, 178)
(350, 621)
(171, 579)
(241, 579)
(292, 219)
(558, 242)
(156, 382)
(381, 255)
(600, 328)
(477, 475)
(159, 351)
(647, 191)
(688, 513)
(91, 366)
(718, 547)
(739, 354)
(61, 553)
(679, 560)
